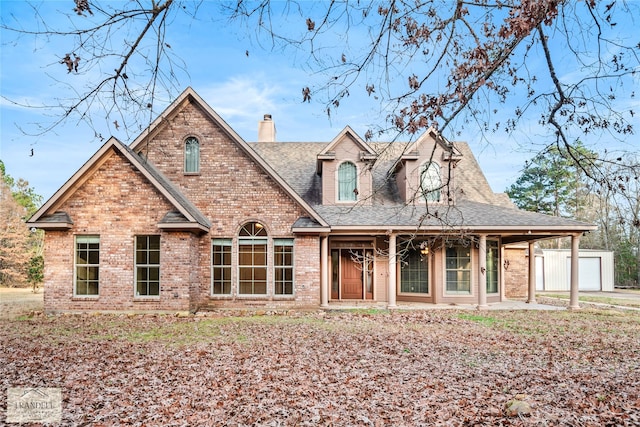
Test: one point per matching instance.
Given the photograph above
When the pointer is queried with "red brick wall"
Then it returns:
(230, 190)
(117, 203)
(516, 276)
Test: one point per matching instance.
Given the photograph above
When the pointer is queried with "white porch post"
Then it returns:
(532, 273)
(324, 271)
(391, 291)
(482, 273)
(575, 262)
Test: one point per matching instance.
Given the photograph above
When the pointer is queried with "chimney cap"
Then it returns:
(267, 116)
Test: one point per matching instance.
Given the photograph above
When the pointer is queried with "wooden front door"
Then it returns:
(351, 274)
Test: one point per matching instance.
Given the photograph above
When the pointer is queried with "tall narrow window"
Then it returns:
(191, 155)
(283, 266)
(414, 276)
(147, 266)
(221, 267)
(252, 259)
(87, 265)
(430, 182)
(492, 266)
(347, 182)
(458, 266)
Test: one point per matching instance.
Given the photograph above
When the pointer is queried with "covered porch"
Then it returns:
(377, 270)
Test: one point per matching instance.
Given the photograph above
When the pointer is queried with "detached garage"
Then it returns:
(553, 270)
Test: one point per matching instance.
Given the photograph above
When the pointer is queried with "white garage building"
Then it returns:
(553, 270)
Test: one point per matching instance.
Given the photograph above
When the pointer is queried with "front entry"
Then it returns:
(352, 274)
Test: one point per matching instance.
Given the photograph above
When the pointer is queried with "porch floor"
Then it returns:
(401, 305)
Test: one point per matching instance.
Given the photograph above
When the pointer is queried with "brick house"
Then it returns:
(190, 216)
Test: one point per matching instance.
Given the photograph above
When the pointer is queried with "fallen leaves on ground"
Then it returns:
(332, 369)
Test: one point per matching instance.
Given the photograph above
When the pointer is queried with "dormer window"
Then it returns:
(430, 181)
(347, 182)
(191, 155)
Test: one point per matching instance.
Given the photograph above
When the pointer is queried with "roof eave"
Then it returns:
(310, 230)
(51, 225)
(522, 230)
(190, 226)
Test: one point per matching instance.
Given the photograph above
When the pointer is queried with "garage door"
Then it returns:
(590, 278)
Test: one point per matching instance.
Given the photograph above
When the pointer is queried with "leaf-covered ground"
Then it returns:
(342, 369)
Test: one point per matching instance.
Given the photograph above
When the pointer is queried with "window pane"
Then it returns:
(283, 266)
(492, 266)
(92, 288)
(154, 242)
(82, 257)
(458, 275)
(147, 265)
(154, 273)
(221, 265)
(252, 229)
(87, 265)
(414, 277)
(141, 288)
(92, 273)
(191, 155)
(252, 260)
(430, 182)
(260, 287)
(347, 182)
(154, 288)
(245, 287)
(141, 257)
(154, 257)
(260, 255)
(260, 274)
(335, 271)
(94, 256)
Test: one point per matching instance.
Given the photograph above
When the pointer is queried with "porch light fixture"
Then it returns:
(425, 250)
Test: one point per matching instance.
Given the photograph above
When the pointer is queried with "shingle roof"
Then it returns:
(476, 205)
(189, 215)
(173, 190)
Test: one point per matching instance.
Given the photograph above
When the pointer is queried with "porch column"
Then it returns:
(482, 273)
(532, 273)
(575, 262)
(324, 271)
(391, 291)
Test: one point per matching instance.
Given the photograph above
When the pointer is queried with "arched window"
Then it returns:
(347, 182)
(430, 182)
(252, 259)
(191, 155)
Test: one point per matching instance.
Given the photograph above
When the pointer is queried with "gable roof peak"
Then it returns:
(190, 95)
(452, 153)
(348, 131)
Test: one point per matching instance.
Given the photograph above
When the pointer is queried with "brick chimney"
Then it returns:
(267, 129)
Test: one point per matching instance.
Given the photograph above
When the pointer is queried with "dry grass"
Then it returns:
(444, 367)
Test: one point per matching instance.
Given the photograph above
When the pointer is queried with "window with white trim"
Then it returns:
(147, 266)
(283, 266)
(430, 181)
(347, 182)
(414, 270)
(493, 255)
(191, 155)
(221, 266)
(87, 266)
(458, 270)
(252, 259)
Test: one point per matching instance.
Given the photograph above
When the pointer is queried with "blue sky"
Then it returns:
(240, 88)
